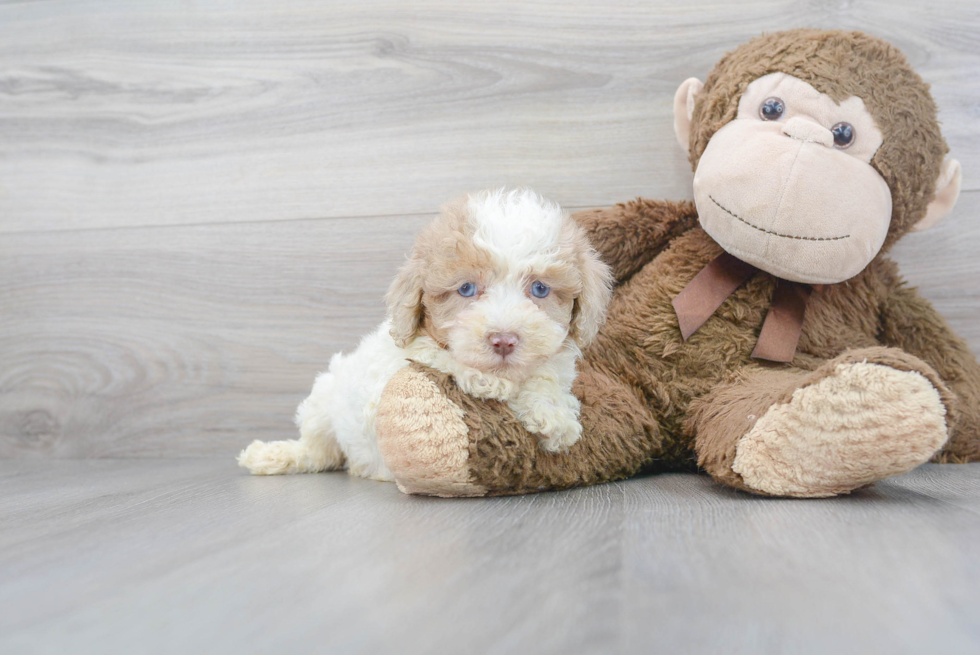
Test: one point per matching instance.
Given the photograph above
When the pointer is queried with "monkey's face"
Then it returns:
(788, 186)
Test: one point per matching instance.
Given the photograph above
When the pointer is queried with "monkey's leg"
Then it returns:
(439, 441)
(911, 323)
(864, 416)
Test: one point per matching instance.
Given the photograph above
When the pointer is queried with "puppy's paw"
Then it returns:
(551, 415)
(561, 437)
(268, 458)
(557, 425)
(292, 456)
(485, 386)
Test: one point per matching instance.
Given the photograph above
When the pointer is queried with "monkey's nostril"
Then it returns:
(503, 343)
(803, 129)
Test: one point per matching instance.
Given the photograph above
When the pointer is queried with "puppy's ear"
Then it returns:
(589, 310)
(404, 300)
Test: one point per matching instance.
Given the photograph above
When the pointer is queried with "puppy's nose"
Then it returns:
(503, 343)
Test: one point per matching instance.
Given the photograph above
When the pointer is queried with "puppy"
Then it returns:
(501, 292)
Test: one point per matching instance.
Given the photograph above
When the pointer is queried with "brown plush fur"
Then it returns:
(875, 71)
(505, 459)
(651, 399)
(723, 416)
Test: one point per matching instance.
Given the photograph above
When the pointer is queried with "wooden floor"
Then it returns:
(176, 556)
(200, 202)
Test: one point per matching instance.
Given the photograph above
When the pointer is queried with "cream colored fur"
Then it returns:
(864, 423)
(756, 199)
(947, 193)
(502, 243)
(542, 400)
(817, 229)
(428, 441)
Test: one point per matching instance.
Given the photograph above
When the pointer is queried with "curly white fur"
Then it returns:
(502, 243)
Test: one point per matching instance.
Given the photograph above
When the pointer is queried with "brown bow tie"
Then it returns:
(715, 282)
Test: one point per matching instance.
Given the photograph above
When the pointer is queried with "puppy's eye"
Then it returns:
(467, 289)
(772, 109)
(539, 289)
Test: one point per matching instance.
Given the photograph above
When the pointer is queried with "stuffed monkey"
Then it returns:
(759, 333)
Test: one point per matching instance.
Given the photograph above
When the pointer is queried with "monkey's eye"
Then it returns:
(843, 135)
(467, 290)
(539, 289)
(772, 109)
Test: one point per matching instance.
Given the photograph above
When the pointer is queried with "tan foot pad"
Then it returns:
(861, 424)
(423, 439)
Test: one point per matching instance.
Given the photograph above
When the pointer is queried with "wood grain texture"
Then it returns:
(116, 113)
(201, 202)
(943, 263)
(163, 556)
(191, 341)
(180, 342)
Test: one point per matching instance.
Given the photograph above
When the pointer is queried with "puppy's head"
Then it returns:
(503, 280)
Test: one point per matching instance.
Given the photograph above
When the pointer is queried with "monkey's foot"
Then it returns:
(423, 439)
(861, 423)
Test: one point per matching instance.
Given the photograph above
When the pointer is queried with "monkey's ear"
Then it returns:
(684, 110)
(947, 191)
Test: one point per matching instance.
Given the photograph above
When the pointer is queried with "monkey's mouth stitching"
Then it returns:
(777, 234)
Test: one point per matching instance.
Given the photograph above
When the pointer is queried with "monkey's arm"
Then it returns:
(909, 322)
(630, 235)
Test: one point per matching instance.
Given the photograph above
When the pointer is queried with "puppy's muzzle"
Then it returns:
(503, 343)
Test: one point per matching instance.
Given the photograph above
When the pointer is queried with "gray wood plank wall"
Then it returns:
(200, 202)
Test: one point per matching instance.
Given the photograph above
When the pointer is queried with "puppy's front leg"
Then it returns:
(544, 407)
